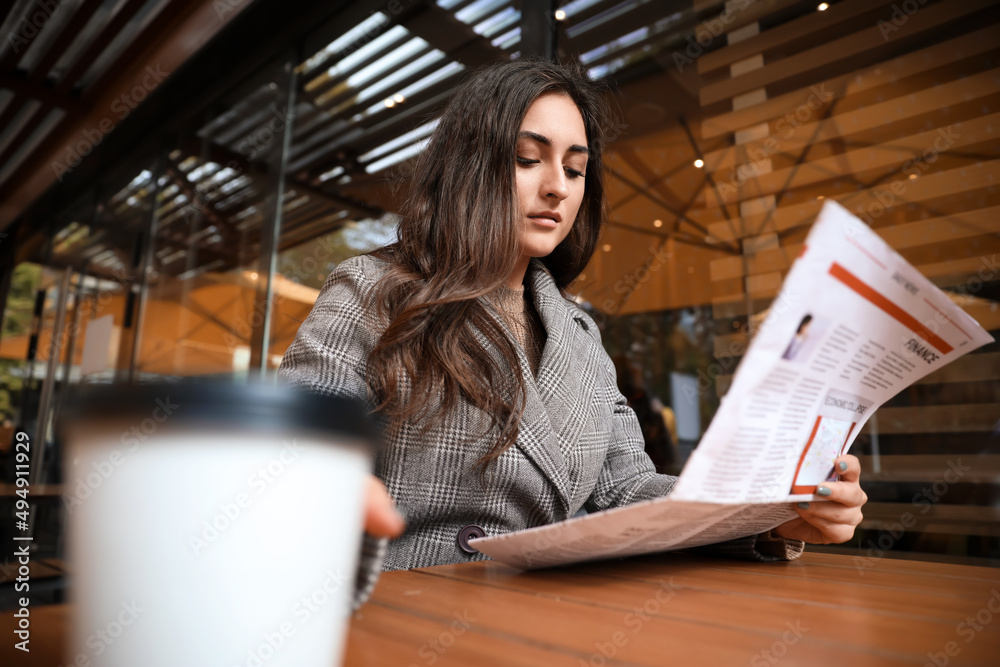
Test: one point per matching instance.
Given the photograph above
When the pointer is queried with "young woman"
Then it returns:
(499, 403)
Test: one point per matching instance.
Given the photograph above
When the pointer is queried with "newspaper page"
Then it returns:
(854, 324)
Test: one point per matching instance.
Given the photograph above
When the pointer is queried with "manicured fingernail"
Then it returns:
(823, 491)
(803, 506)
(843, 466)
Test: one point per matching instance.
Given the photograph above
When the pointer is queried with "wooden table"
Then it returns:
(669, 609)
(673, 609)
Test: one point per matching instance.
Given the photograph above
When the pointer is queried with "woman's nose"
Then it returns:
(555, 183)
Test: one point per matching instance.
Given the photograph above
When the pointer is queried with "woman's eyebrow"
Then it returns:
(542, 139)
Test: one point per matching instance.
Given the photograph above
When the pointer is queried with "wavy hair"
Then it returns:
(458, 240)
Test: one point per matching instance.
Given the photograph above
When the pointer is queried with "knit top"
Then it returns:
(518, 311)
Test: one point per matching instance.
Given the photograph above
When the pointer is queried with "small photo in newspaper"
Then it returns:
(836, 419)
(806, 338)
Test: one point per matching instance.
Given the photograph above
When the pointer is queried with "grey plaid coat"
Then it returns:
(579, 444)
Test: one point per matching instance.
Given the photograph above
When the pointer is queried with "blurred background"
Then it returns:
(178, 177)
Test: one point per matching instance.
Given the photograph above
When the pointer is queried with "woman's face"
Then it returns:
(551, 164)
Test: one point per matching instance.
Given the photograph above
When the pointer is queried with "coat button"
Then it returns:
(470, 532)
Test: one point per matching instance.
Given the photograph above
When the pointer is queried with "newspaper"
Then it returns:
(854, 324)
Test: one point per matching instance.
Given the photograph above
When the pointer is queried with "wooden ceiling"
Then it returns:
(71, 71)
(365, 94)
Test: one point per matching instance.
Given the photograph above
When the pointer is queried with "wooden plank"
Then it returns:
(942, 273)
(382, 633)
(883, 74)
(587, 612)
(967, 224)
(698, 599)
(984, 367)
(953, 181)
(743, 14)
(984, 469)
(929, 516)
(787, 139)
(981, 367)
(969, 418)
(857, 43)
(897, 597)
(787, 33)
(956, 570)
(897, 155)
(733, 168)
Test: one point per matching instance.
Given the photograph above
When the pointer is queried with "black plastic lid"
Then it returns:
(254, 405)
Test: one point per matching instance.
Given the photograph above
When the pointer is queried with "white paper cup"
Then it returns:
(213, 525)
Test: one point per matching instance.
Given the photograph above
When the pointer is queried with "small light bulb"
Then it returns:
(560, 15)
(398, 98)
(607, 247)
(390, 103)
(823, 7)
(657, 223)
(699, 163)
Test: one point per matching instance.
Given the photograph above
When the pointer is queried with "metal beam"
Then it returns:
(538, 29)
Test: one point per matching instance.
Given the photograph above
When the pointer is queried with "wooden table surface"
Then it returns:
(668, 609)
(673, 609)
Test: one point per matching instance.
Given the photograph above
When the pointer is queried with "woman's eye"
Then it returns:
(526, 161)
(573, 173)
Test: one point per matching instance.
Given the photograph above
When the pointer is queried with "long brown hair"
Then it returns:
(458, 240)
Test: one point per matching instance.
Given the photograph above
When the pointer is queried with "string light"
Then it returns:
(699, 163)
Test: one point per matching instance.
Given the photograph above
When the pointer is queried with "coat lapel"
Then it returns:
(567, 375)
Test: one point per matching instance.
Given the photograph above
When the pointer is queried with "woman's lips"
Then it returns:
(546, 218)
(544, 222)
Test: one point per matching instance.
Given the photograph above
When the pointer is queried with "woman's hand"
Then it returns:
(381, 517)
(832, 521)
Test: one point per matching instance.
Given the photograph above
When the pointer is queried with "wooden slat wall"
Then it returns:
(900, 122)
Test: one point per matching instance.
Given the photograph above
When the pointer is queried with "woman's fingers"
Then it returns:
(850, 473)
(832, 525)
(381, 517)
(834, 519)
